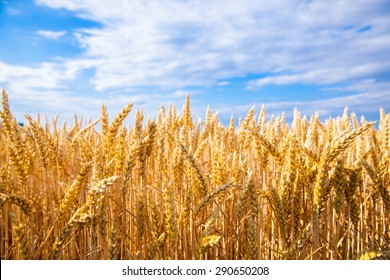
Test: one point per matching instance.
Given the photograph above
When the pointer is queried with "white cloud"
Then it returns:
(324, 76)
(179, 93)
(223, 83)
(46, 76)
(171, 45)
(365, 85)
(41, 88)
(183, 43)
(52, 35)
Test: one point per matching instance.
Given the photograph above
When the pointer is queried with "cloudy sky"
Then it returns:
(319, 56)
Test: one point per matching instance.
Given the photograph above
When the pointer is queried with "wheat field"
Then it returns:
(172, 188)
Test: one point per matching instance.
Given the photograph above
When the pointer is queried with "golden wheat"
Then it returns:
(175, 188)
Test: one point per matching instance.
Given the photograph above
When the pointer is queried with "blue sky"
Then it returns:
(319, 56)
